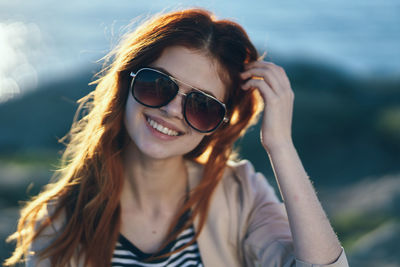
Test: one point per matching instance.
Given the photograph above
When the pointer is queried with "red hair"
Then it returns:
(89, 183)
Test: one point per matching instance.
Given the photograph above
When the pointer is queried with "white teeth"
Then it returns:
(161, 128)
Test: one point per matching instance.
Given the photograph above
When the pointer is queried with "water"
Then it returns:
(43, 40)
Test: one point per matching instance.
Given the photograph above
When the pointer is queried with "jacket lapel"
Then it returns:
(214, 240)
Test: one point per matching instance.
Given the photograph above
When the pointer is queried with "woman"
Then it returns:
(147, 177)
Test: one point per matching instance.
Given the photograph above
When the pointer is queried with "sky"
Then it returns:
(44, 40)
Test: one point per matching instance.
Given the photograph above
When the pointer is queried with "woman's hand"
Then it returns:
(274, 86)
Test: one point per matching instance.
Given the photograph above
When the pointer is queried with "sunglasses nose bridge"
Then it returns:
(182, 98)
(183, 95)
(175, 106)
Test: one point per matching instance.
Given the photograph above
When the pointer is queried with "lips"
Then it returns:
(162, 126)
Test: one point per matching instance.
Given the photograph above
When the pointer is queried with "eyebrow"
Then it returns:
(169, 74)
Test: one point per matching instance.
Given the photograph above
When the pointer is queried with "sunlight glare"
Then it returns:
(19, 45)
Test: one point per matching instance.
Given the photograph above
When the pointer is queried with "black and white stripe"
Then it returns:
(127, 254)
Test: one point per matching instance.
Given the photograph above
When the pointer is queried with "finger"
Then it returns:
(259, 64)
(265, 64)
(265, 90)
(266, 74)
(277, 70)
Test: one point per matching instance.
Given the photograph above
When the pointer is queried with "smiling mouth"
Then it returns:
(162, 129)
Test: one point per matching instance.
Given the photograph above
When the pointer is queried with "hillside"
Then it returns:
(346, 130)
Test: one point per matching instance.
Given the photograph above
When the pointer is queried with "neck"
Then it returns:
(153, 185)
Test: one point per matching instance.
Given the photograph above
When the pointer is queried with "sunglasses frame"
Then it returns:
(185, 95)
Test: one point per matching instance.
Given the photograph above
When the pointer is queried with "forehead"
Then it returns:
(193, 68)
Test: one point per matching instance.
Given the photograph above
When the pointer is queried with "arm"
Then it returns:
(313, 237)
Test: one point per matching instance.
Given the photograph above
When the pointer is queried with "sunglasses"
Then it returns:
(153, 88)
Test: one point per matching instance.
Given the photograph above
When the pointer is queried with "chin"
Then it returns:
(154, 151)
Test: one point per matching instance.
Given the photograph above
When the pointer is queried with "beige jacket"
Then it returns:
(246, 225)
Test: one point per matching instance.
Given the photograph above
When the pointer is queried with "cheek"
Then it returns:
(131, 110)
(191, 142)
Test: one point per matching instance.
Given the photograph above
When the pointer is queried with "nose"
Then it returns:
(175, 107)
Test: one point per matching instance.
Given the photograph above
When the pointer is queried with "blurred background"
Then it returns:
(343, 60)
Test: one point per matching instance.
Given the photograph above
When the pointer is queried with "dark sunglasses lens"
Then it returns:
(202, 112)
(153, 89)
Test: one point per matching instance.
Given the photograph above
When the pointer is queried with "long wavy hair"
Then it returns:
(88, 185)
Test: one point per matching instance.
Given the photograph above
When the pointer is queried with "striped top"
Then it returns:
(127, 254)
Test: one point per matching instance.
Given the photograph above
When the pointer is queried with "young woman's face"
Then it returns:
(194, 69)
